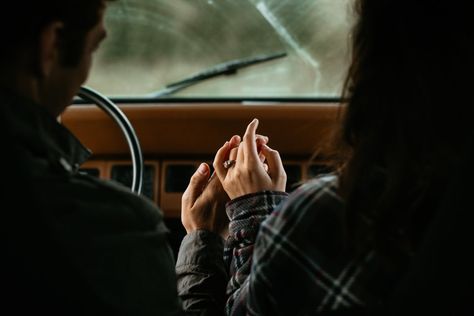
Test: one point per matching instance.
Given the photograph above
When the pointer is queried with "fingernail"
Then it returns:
(202, 169)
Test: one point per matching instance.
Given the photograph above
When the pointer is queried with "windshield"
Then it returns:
(154, 43)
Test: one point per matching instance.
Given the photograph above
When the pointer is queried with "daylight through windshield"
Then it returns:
(153, 43)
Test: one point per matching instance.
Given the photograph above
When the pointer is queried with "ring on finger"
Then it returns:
(228, 163)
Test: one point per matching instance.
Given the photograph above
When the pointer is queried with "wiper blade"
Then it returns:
(227, 68)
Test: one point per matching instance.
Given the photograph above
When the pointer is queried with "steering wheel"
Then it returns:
(94, 97)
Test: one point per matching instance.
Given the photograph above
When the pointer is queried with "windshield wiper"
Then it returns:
(227, 68)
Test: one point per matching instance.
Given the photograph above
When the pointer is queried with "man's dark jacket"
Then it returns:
(76, 245)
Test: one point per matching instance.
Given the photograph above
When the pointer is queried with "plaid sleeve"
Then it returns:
(246, 213)
(297, 264)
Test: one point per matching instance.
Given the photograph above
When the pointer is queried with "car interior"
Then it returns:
(189, 75)
(174, 80)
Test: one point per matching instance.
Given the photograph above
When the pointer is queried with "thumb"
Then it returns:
(196, 185)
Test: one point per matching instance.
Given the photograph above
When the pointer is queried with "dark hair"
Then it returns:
(408, 119)
(23, 22)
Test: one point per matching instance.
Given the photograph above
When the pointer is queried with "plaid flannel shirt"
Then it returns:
(285, 253)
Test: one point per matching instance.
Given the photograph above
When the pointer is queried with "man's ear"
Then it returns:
(48, 53)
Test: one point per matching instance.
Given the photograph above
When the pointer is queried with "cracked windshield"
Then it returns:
(224, 49)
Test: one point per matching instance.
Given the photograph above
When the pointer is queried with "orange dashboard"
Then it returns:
(175, 138)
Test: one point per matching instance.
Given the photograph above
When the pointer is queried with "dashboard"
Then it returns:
(176, 137)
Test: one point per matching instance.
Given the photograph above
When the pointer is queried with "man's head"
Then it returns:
(48, 48)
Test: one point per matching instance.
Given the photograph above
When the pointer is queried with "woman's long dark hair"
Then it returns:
(409, 116)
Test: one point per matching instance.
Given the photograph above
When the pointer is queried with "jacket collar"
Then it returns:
(33, 126)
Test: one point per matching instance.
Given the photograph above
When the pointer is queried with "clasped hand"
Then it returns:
(257, 168)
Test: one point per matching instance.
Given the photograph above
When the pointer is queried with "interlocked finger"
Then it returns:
(233, 153)
(249, 146)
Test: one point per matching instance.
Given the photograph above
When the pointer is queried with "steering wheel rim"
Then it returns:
(104, 103)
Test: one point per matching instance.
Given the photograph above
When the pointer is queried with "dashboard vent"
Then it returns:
(124, 173)
(293, 175)
(318, 169)
(177, 177)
